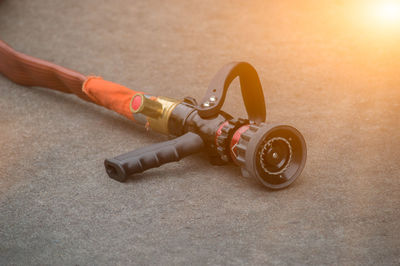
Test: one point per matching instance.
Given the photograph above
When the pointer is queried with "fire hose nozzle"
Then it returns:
(273, 154)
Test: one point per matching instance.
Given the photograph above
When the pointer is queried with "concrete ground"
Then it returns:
(324, 70)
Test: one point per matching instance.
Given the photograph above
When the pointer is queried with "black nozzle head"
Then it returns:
(274, 154)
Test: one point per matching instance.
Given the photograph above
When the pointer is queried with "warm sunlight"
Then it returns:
(386, 13)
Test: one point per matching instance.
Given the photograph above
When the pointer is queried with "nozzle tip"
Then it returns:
(274, 154)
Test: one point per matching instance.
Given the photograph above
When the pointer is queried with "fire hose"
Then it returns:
(275, 154)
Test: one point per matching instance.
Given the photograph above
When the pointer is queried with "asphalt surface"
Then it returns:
(323, 71)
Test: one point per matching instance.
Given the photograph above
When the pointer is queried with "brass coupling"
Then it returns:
(157, 110)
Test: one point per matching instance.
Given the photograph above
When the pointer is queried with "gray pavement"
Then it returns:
(335, 80)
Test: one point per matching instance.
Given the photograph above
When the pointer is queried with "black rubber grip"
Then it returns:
(137, 161)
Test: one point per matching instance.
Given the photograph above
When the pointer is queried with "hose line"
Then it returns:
(30, 71)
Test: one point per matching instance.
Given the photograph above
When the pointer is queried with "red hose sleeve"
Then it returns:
(110, 95)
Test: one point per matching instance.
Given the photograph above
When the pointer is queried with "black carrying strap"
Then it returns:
(250, 84)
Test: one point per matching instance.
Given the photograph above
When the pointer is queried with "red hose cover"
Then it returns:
(110, 95)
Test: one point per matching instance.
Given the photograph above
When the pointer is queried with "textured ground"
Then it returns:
(333, 78)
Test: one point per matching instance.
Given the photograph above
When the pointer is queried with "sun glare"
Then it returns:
(386, 12)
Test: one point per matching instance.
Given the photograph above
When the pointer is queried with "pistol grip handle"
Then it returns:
(137, 161)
